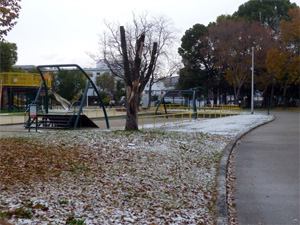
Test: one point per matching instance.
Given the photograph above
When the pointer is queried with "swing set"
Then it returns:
(61, 121)
(193, 91)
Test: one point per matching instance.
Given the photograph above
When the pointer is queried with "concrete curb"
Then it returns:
(221, 203)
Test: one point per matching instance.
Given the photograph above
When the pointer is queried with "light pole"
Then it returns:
(252, 82)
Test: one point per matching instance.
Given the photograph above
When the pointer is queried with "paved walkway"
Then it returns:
(267, 171)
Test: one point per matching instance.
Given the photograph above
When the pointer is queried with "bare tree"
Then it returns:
(143, 54)
(167, 63)
(136, 77)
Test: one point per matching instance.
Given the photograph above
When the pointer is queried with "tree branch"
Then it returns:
(127, 72)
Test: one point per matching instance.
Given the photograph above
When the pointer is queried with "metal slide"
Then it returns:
(64, 102)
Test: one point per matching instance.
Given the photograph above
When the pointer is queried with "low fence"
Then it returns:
(12, 118)
(178, 107)
(175, 112)
(209, 113)
(154, 119)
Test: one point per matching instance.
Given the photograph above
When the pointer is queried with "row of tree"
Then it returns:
(218, 56)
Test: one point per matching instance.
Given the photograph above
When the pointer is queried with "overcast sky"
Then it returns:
(63, 31)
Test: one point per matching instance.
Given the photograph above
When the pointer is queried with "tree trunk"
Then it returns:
(284, 96)
(149, 96)
(237, 95)
(132, 97)
(132, 81)
(135, 83)
(272, 97)
(235, 92)
(265, 99)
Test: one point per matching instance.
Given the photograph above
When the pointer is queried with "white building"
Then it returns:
(94, 72)
(158, 89)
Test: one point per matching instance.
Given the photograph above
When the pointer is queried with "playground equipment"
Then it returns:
(192, 91)
(17, 90)
(64, 102)
(62, 121)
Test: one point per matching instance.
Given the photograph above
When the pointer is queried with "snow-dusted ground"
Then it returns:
(161, 176)
(227, 126)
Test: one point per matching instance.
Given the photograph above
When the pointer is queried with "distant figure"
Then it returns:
(111, 103)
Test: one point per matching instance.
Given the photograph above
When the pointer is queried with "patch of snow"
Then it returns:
(228, 126)
(146, 177)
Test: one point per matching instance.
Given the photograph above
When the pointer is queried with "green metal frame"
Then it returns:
(53, 68)
(189, 91)
(82, 103)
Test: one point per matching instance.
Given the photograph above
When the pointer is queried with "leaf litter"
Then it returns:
(110, 177)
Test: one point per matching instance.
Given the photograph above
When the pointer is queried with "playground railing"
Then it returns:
(22, 79)
(212, 112)
(225, 109)
(174, 117)
(202, 112)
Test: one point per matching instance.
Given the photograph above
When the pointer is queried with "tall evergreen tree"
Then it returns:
(269, 13)
(8, 56)
(196, 52)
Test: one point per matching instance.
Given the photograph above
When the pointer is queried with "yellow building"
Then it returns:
(17, 90)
